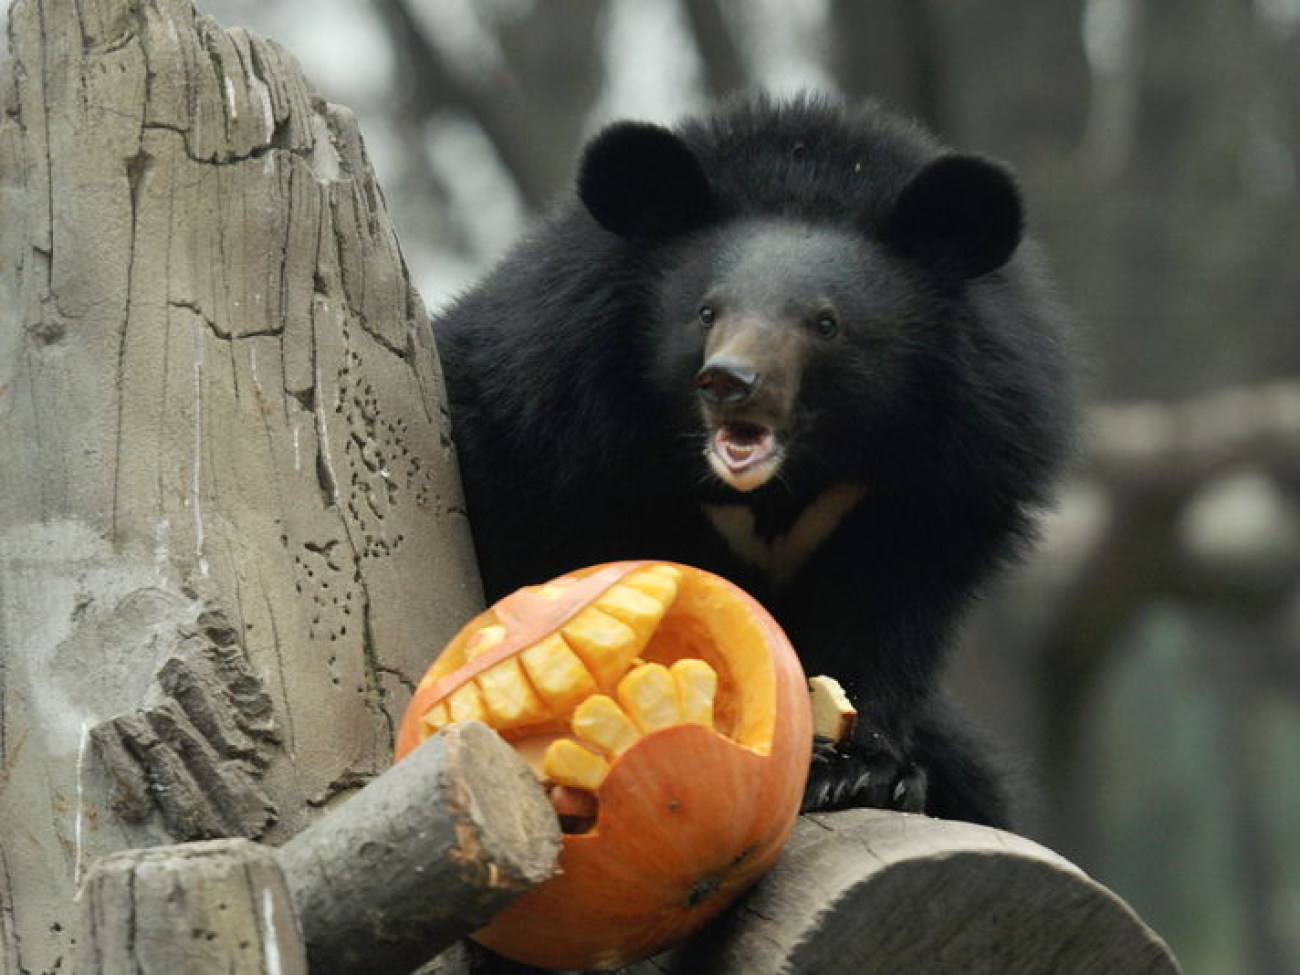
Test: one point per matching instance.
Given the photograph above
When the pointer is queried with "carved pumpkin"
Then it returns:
(670, 717)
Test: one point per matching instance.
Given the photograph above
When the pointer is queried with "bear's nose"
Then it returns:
(726, 381)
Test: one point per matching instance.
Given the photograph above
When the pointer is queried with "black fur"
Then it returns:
(927, 359)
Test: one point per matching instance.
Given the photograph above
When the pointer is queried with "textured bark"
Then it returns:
(231, 531)
(423, 855)
(235, 915)
(871, 891)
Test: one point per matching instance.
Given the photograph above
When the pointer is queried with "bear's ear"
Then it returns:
(640, 180)
(960, 210)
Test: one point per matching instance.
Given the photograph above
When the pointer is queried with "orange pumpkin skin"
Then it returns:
(688, 817)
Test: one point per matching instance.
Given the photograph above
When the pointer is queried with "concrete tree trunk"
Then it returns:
(231, 530)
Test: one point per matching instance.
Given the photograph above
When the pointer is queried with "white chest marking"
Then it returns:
(780, 557)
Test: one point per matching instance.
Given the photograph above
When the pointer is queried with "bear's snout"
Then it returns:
(727, 381)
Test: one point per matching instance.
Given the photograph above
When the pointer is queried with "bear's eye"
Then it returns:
(826, 326)
(707, 316)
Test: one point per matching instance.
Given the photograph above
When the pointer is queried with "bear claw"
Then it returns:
(848, 776)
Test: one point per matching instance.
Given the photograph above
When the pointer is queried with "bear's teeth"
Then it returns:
(742, 445)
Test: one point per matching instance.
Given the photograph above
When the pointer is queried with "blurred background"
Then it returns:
(1144, 668)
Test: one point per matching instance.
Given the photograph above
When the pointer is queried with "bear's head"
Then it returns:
(813, 278)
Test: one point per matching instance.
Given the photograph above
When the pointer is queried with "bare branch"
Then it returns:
(724, 66)
(1168, 445)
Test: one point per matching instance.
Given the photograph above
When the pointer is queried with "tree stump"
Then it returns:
(866, 890)
(235, 915)
(425, 854)
(231, 529)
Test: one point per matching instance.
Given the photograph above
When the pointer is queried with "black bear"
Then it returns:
(801, 345)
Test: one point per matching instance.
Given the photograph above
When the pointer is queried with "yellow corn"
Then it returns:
(566, 672)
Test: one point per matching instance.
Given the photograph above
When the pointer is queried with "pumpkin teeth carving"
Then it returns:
(484, 640)
(557, 674)
(591, 653)
(466, 704)
(606, 645)
(697, 687)
(649, 697)
(507, 693)
(638, 609)
(563, 674)
(568, 763)
(600, 721)
(609, 634)
(659, 582)
(509, 696)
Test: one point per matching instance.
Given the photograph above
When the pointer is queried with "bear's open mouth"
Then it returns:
(744, 454)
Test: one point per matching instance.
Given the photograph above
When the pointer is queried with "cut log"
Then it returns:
(423, 855)
(870, 891)
(865, 890)
(215, 906)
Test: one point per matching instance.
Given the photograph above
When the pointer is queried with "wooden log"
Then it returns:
(870, 891)
(215, 906)
(865, 890)
(423, 855)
